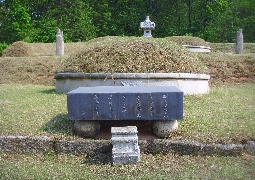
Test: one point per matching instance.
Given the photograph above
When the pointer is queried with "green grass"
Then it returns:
(50, 166)
(28, 109)
(226, 114)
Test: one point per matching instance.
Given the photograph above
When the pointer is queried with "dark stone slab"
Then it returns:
(125, 103)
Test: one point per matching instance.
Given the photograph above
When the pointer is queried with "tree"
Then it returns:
(15, 21)
(73, 17)
(221, 27)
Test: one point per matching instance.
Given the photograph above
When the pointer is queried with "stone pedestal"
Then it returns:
(125, 145)
(164, 128)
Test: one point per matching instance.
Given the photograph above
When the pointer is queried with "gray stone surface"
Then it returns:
(125, 148)
(30, 145)
(164, 128)
(60, 46)
(250, 147)
(200, 49)
(125, 103)
(186, 82)
(86, 146)
(147, 26)
(239, 41)
(86, 128)
(25, 144)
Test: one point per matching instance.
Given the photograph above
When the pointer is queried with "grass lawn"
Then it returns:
(50, 166)
(226, 114)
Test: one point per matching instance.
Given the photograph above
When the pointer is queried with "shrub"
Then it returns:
(3, 46)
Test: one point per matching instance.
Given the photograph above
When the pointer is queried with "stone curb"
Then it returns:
(32, 145)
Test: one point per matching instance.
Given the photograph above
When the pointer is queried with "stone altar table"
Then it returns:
(161, 104)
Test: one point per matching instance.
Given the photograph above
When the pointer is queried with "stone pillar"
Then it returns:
(60, 42)
(239, 41)
(125, 145)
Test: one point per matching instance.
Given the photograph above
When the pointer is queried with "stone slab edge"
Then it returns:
(132, 75)
(32, 145)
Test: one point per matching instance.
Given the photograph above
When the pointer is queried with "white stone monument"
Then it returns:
(60, 48)
(147, 26)
(125, 145)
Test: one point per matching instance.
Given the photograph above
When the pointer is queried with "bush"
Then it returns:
(3, 46)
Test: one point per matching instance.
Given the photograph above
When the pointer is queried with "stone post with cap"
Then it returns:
(60, 42)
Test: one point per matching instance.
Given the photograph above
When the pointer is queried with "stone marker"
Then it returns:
(125, 145)
(60, 43)
(239, 41)
(161, 104)
(147, 26)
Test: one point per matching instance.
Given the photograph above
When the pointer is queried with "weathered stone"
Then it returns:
(28, 145)
(250, 147)
(125, 103)
(239, 41)
(164, 128)
(147, 26)
(83, 146)
(86, 128)
(25, 144)
(125, 145)
(60, 46)
(190, 84)
(221, 149)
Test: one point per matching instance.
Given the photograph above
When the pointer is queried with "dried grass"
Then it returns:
(17, 49)
(188, 40)
(134, 55)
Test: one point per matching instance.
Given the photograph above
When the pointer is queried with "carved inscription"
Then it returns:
(110, 106)
(96, 104)
(138, 107)
(124, 109)
(165, 106)
(152, 107)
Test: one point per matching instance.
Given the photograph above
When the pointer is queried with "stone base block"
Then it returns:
(164, 128)
(86, 128)
(125, 145)
(125, 158)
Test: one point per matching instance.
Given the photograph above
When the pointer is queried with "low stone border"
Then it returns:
(31, 145)
(186, 82)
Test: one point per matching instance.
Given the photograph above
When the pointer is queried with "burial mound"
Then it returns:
(134, 55)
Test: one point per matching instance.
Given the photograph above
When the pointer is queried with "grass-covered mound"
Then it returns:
(17, 49)
(134, 55)
(188, 40)
(24, 49)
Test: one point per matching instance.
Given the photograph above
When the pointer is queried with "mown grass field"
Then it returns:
(50, 166)
(226, 114)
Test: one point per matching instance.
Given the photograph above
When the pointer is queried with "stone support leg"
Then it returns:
(164, 128)
(86, 128)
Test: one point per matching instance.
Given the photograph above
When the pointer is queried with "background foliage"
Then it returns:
(81, 20)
